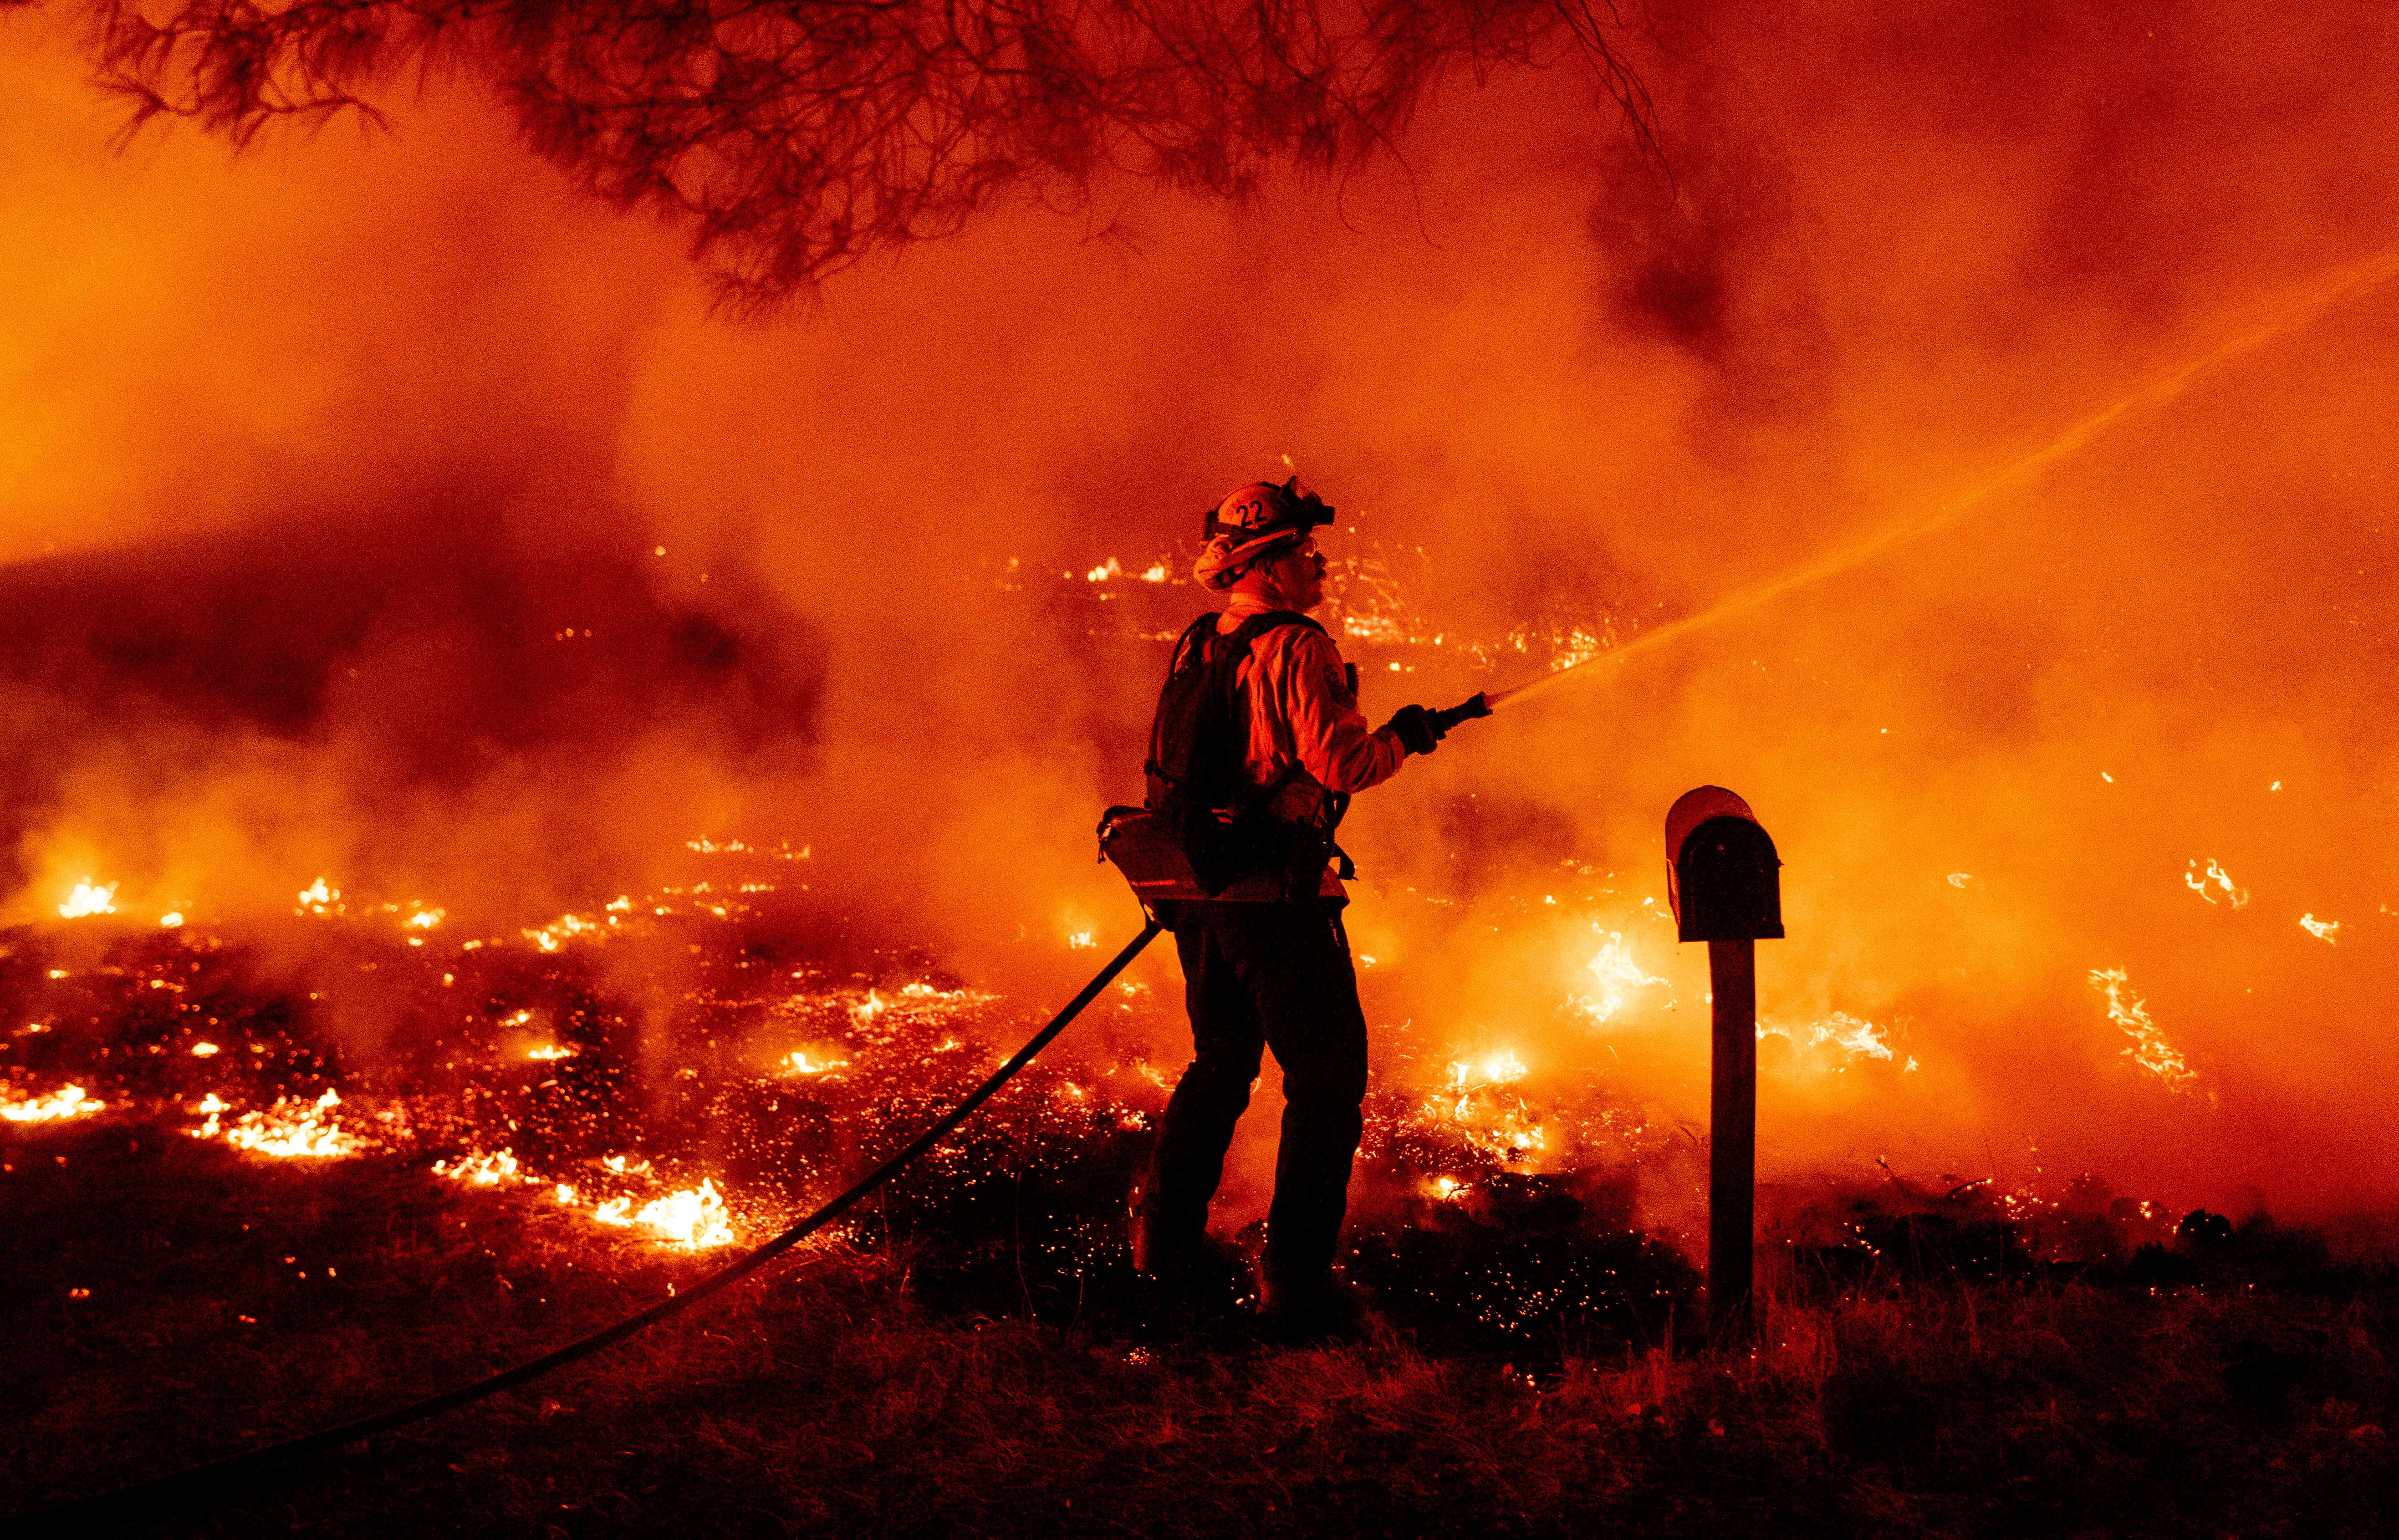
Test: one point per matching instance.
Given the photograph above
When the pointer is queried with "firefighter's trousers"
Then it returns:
(1278, 976)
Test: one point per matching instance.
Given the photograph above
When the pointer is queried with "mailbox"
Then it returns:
(1723, 878)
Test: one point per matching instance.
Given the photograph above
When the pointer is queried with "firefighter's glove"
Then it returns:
(1415, 729)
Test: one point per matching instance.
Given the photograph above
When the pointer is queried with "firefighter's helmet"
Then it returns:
(1254, 521)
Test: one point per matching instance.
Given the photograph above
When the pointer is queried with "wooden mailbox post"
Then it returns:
(1724, 882)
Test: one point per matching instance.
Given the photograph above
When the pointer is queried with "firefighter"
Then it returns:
(1274, 971)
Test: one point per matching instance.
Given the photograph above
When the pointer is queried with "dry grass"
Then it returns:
(824, 1399)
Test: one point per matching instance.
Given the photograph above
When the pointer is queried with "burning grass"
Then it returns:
(251, 1242)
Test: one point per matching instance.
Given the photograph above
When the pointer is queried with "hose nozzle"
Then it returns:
(1465, 710)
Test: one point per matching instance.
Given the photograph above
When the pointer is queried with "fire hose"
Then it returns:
(126, 1501)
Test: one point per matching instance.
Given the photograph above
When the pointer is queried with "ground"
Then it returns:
(170, 1300)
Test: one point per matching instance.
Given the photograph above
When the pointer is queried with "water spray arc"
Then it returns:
(2291, 313)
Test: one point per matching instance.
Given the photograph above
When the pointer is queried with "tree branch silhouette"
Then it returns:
(792, 138)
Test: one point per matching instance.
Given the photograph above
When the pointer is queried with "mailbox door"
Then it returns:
(1729, 884)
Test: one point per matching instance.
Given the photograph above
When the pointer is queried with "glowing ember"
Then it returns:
(291, 1128)
(550, 1051)
(1082, 939)
(65, 1103)
(173, 921)
(89, 898)
(425, 918)
(2321, 929)
(1448, 1189)
(2214, 878)
(798, 1062)
(2149, 1049)
(1620, 979)
(565, 1193)
(483, 1171)
(319, 898)
(205, 1050)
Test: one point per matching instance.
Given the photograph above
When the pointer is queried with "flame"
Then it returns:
(425, 918)
(483, 1171)
(798, 1062)
(1081, 940)
(1498, 1122)
(89, 898)
(1447, 1189)
(205, 1050)
(65, 1103)
(549, 938)
(1619, 976)
(1500, 1069)
(550, 1051)
(693, 1218)
(2149, 1049)
(319, 898)
(2199, 883)
(174, 920)
(310, 1131)
(2321, 929)
(1852, 1034)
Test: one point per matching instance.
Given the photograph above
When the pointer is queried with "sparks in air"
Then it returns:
(319, 898)
(67, 1102)
(2149, 1049)
(89, 898)
(2323, 930)
(2207, 884)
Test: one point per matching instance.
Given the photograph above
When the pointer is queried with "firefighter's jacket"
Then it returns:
(1304, 715)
